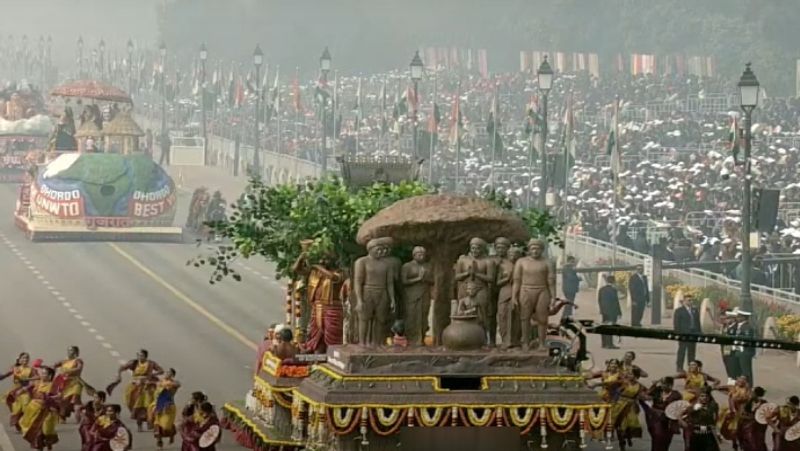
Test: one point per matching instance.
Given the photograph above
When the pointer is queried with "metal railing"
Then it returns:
(590, 250)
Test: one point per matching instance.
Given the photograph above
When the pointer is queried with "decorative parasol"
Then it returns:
(122, 125)
(444, 224)
(91, 89)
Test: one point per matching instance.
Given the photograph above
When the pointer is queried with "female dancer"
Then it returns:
(738, 395)
(139, 393)
(751, 434)
(696, 380)
(628, 365)
(661, 428)
(162, 411)
(625, 410)
(17, 398)
(785, 417)
(207, 427)
(190, 418)
(39, 419)
(90, 412)
(107, 427)
(698, 423)
(68, 383)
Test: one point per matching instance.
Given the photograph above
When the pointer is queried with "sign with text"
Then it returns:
(62, 204)
(152, 204)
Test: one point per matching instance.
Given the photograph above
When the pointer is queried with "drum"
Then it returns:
(675, 409)
(765, 411)
(707, 323)
(793, 433)
(122, 441)
(209, 437)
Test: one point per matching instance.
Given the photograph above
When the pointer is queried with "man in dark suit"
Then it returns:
(608, 298)
(744, 354)
(570, 284)
(640, 295)
(686, 320)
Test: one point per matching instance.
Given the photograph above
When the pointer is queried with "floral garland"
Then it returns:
(427, 420)
(562, 423)
(597, 418)
(283, 399)
(248, 434)
(342, 425)
(470, 418)
(379, 421)
(296, 371)
(530, 416)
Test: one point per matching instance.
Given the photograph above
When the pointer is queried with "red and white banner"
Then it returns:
(151, 205)
(61, 204)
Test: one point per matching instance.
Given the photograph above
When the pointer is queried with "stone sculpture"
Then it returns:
(534, 283)
(417, 279)
(375, 293)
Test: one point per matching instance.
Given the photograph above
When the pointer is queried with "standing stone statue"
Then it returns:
(534, 283)
(477, 268)
(417, 280)
(375, 295)
(386, 244)
(501, 247)
(507, 319)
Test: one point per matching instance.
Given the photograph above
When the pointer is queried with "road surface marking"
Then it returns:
(55, 293)
(114, 353)
(32, 268)
(106, 345)
(186, 299)
(92, 330)
(40, 277)
(78, 317)
(5, 440)
(71, 310)
(85, 323)
(63, 299)
(99, 338)
(122, 362)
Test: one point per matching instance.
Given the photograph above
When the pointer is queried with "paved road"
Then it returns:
(113, 299)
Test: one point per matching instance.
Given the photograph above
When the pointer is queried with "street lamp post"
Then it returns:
(258, 60)
(325, 67)
(162, 50)
(203, 58)
(749, 91)
(416, 75)
(545, 78)
(80, 56)
(130, 66)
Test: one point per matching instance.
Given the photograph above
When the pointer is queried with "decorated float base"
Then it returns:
(51, 232)
(385, 399)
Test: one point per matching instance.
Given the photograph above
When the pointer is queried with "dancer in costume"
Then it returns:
(661, 428)
(207, 431)
(784, 418)
(696, 380)
(699, 422)
(68, 383)
(751, 434)
(90, 412)
(628, 366)
(625, 409)
(40, 416)
(162, 411)
(18, 397)
(190, 417)
(108, 432)
(140, 392)
(738, 395)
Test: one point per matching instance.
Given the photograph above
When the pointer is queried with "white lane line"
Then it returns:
(122, 362)
(85, 323)
(40, 277)
(55, 293)
(92, 330)
(63, 300)
(32, 268)
(78, 317)
(106, 345)
(72, 310)
(99, 338)
(114, 353)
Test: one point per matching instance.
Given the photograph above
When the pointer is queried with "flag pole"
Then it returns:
(567, 152)
(297, 113)
(615, 168)
(334, 107)
(494, 110)
(358, 115)
(531, 148)
(434, 132)
(458, 132)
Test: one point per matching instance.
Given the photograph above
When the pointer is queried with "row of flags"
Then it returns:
(635, 64)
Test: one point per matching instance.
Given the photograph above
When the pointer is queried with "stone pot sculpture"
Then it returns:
(464, 333)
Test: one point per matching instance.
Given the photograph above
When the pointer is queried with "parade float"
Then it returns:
(93, 183)
(22, 143)
(450, 390)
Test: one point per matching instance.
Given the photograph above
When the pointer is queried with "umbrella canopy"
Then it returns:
(91, 89)
(443, 220)
(444, 224)
(122, 125)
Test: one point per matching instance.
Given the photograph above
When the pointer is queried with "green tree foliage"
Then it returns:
(271, 221)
